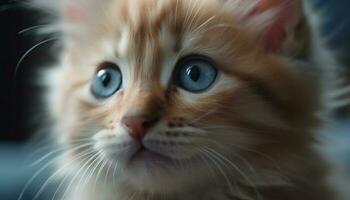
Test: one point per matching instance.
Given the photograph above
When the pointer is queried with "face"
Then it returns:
(169, 94)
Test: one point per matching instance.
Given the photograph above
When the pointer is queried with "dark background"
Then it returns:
(13, 95)
(20, 99)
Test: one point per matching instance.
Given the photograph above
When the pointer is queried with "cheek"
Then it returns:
(81, 120)
(224, 117)
(212, 108)
(96, 113)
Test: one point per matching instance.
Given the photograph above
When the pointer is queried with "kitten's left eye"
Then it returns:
(107, 81)
(195, 74)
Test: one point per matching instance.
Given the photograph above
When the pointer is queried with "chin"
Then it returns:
(163, 182)
(152, 165)
(150, 172)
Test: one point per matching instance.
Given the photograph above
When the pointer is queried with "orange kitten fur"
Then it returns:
(248, 136)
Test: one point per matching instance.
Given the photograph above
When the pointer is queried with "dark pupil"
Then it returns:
(106, 79)
(194, 73)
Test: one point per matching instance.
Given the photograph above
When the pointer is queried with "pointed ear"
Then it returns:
(274, 21)
(80, 15)
(283, 24)
(72, 16)
(70, 11)
(79, 12)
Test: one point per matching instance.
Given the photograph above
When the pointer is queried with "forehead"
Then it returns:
(185, 26)
(148, 16)
(148, 37)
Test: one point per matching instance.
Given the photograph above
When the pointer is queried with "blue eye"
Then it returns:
(107, 81)
(195, 74)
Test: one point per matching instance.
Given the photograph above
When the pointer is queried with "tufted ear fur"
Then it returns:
(80, 12)
(283, 24)
(81, 16)
(74, 16)
(274, 21)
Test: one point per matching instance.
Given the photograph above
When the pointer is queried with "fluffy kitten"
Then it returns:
(186, 99)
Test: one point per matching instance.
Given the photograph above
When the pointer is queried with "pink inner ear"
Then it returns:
(74, 14)
(285, 19)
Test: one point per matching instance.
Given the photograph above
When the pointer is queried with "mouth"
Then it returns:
(148, 156)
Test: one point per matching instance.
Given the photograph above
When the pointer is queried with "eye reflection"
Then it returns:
(195, 74)
(107, 81)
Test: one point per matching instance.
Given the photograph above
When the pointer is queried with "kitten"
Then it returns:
(186, 99)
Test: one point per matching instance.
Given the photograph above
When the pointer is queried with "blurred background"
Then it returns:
(20, 102)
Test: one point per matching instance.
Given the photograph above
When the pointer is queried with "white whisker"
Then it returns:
(107, 173)
(32, 28)
(237, 169)
(79, 172)
(29, 51)
(213, 160)
(58, 150)
(210, 169)
(100, 171)
(92, 174)
(63, 180)
(115, 171)
(92, 162)
(34, 177)
(60, 170)
(195, 16)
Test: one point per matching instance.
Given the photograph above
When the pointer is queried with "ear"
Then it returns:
(72, 16)
(274, 21)
(81, 16)
(80, 12)
(288, 14)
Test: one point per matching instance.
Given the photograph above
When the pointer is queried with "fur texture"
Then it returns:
(249, 136)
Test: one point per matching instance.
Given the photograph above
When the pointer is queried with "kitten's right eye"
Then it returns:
(196, 74)
(107, 81)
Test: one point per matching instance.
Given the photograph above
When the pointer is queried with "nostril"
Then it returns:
(145, 124)
(148, 123)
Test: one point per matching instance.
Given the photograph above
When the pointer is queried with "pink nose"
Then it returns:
(138, 126)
